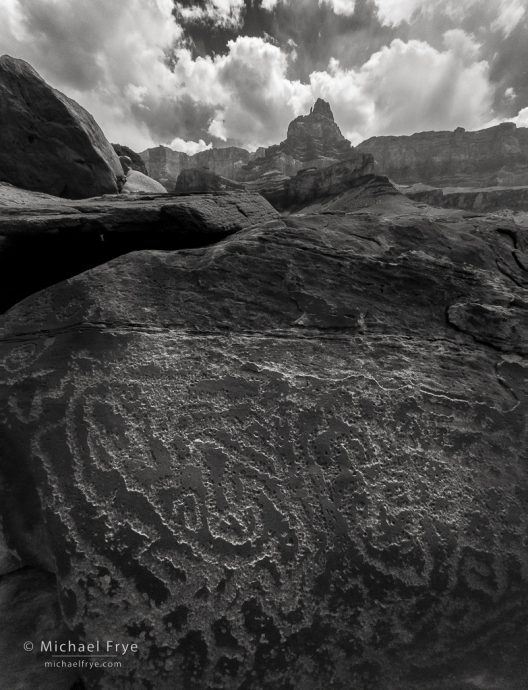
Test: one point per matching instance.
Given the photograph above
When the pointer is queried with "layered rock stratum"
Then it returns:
(48, 142)
(292, 459)
(497, 156)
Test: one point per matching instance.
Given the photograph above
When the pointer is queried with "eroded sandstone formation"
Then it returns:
(475, 199)
(291, 460)
(44, 240)
(312, 141)
(497, 156)
(48, 142)
(314, 185)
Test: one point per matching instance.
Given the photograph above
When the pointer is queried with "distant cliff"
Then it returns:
(497, 156)
(312, 141)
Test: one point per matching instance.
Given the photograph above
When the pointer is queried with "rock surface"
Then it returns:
(137, 161)
(479, 200)
(291, 460)
(497, 156)
(29, 611)
(48, 142)
(203, 180)
(316, 185)
(44, 240)
(137, 182)
(312, 141)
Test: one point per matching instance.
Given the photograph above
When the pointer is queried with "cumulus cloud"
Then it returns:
(345, 7)
(408, 87)
(225, 13)
(134, 69)
(504, 15)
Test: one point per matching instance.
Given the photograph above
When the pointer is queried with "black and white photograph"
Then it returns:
(263, 344)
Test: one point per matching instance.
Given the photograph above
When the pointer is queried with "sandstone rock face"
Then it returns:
(165, 165)
(312, 141)
(315, 185)
(137, 161)
(497, 156)
(203, 180)
(291, 460)
(308, 187)
(136, 183)
(44, 240)
(29, 610)
(49, 143)
(479, 200)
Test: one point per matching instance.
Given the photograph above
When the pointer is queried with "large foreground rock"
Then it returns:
(497, 156)
(44, 240)
(48, 142)
(292, 460)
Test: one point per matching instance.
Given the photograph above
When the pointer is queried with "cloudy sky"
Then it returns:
(235, 72)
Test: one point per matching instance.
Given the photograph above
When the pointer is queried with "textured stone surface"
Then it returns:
(9, 559)
(308, 187)
(292, 460)
(316, 185)
(48, 142)
(312, 141)
(29, 611)
(203, 180)
(480, 199)
(137, 161)
(44, 239)
(486, 158)
(137, 182)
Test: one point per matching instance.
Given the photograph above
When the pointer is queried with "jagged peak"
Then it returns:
(321, 107)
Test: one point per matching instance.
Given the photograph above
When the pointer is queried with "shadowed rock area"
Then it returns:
(48, 142)
(44, 240)
(291, 460)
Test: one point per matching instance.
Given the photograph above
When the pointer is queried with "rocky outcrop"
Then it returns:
(497, 156)
(316, 185)
(136, 183)
(312, 141)
(307, 187)
(48, 142)
(203, 180)
(479, 200)
(44, 240)
(136, 160)
(165, 165)
(292, 459)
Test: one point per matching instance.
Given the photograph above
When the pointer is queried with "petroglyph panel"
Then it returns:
(282, 513)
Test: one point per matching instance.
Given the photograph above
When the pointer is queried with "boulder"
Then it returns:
(136, 160)
(136, 183)
(293, 459)
(48, 142)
